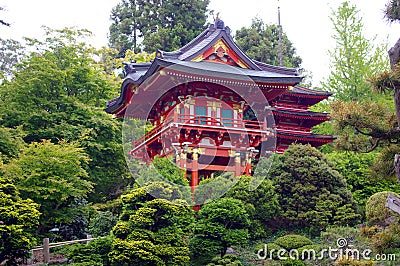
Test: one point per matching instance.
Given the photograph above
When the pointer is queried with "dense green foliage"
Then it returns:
(311, 193)
(226, 260)
(58, 93)
(95, 253)
(356, 169)
(151, 231)
(53, 176)
(219, 225)
(102, 224)
(261, 203)
(18, 220)
(260, 42)
(150, 25)
(11, 143)
(61, 152)
(161, 169)
(354, 58)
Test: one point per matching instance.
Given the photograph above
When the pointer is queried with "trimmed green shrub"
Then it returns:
(376, 211)
(227, 260)
(292, 241)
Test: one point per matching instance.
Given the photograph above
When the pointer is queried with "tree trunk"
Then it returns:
(394, 57)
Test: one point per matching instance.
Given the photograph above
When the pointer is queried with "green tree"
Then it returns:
(161, 169)
(11, 53)
(389, 81)
(366, 127)
(53, 176)
(261, 203)
(156, 24)
(11, 143)
(261, 42)
(392, 11)
(18, 221)
(356, 169)
(311, 193)
(219, 225)
(125, 29)
(354, 58)
(152, 231)
(58, 93)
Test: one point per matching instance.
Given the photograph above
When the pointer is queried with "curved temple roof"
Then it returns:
(194, 58)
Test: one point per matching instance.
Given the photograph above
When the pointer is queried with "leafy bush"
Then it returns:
(227, 260)
(369, 231)
(315, 247)
(220, 224)
(261, 204)
(102, 224)
(19, 219)
(376, 211)
(311, 193)
(355, 168)
(330, 236)
(386, 239)
(94, 253)
(292, 241)
(152, 231)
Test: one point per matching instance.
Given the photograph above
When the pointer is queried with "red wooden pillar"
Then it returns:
(195, 170)
(195, 175)
(248, 168)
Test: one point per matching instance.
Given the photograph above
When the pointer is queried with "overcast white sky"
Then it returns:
(305, 22)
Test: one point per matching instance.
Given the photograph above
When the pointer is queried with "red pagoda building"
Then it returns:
(212, 108)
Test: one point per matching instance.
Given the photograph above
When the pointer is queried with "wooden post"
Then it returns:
(89, 237)
(393, 203)
(46, 250)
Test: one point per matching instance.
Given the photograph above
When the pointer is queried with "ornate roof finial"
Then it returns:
(216, 18)
(219, 24)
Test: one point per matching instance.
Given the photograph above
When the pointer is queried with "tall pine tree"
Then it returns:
(156, 24)
(261, 42)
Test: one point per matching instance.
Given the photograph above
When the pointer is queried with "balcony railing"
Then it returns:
(204, 122)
